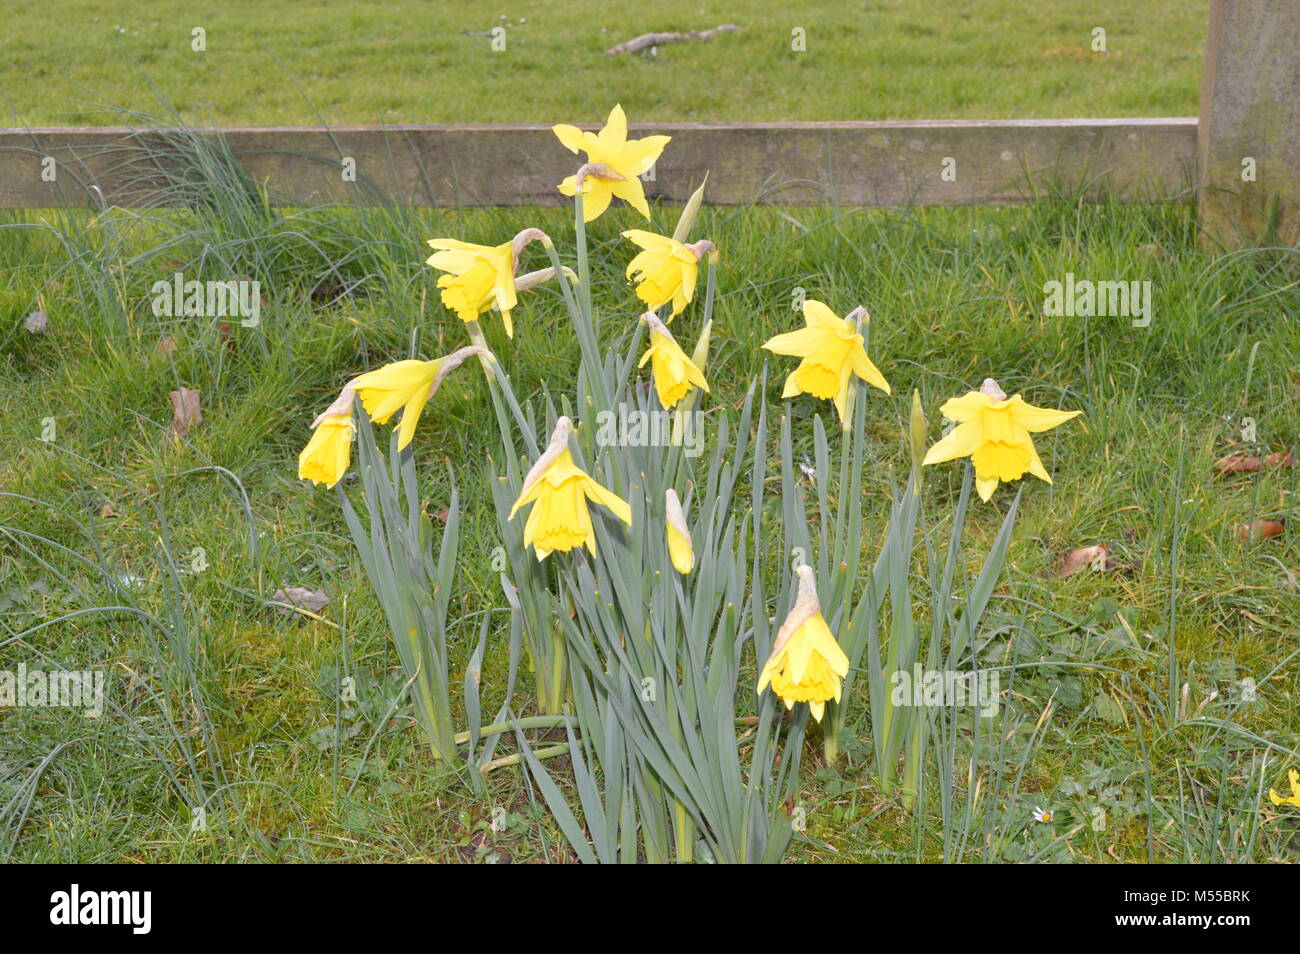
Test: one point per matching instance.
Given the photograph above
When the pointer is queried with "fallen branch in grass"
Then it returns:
(659, 39)
(516, 757)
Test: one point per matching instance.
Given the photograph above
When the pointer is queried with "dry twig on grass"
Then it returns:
(659, 39)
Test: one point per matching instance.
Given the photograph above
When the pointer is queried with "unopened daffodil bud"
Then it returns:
(680, 550)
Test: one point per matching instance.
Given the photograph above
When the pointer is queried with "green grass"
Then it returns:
(370, 62)
(225, 699)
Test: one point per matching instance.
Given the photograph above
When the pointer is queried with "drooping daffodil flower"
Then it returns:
(560, 491)
(807, 664)
(481, 277)
(833, 353)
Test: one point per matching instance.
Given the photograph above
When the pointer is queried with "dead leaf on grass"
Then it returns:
(1245, 464)
(186, 410)
(311, 600)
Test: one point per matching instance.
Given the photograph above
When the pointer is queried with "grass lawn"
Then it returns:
(357, 61)
(955, 295)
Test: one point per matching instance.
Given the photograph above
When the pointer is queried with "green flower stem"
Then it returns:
(584, 269)
(477, 337)
(552, 698)
(831, 733)
(842, 572)
(497, 378)
(846, 422)
(585, 323)
(562, 277)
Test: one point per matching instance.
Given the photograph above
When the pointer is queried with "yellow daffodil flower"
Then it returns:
(327, 455)
(1294, 798)
(407, 386)
(807, 664)
(559, 491)
(993, 431)
(614, 164)
(832, 352)
(480, 277)
(674, 373)
(666, 271)
(680, 550)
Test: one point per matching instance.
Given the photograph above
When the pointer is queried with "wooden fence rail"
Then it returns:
(1241, 156)
(850, 163)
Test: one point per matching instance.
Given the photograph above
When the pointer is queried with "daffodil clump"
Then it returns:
(635, 578)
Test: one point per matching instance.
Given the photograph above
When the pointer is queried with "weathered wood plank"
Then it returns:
(1249, 144)
(958, 162)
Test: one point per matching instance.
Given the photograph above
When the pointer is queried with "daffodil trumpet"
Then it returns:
(480, 278)
(560, 493)
(328, 454)
(993, 430)
(806, 664)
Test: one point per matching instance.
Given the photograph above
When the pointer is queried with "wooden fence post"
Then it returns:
(1248, 137)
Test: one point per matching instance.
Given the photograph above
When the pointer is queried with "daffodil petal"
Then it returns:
(962, 441)
(1036, 419)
